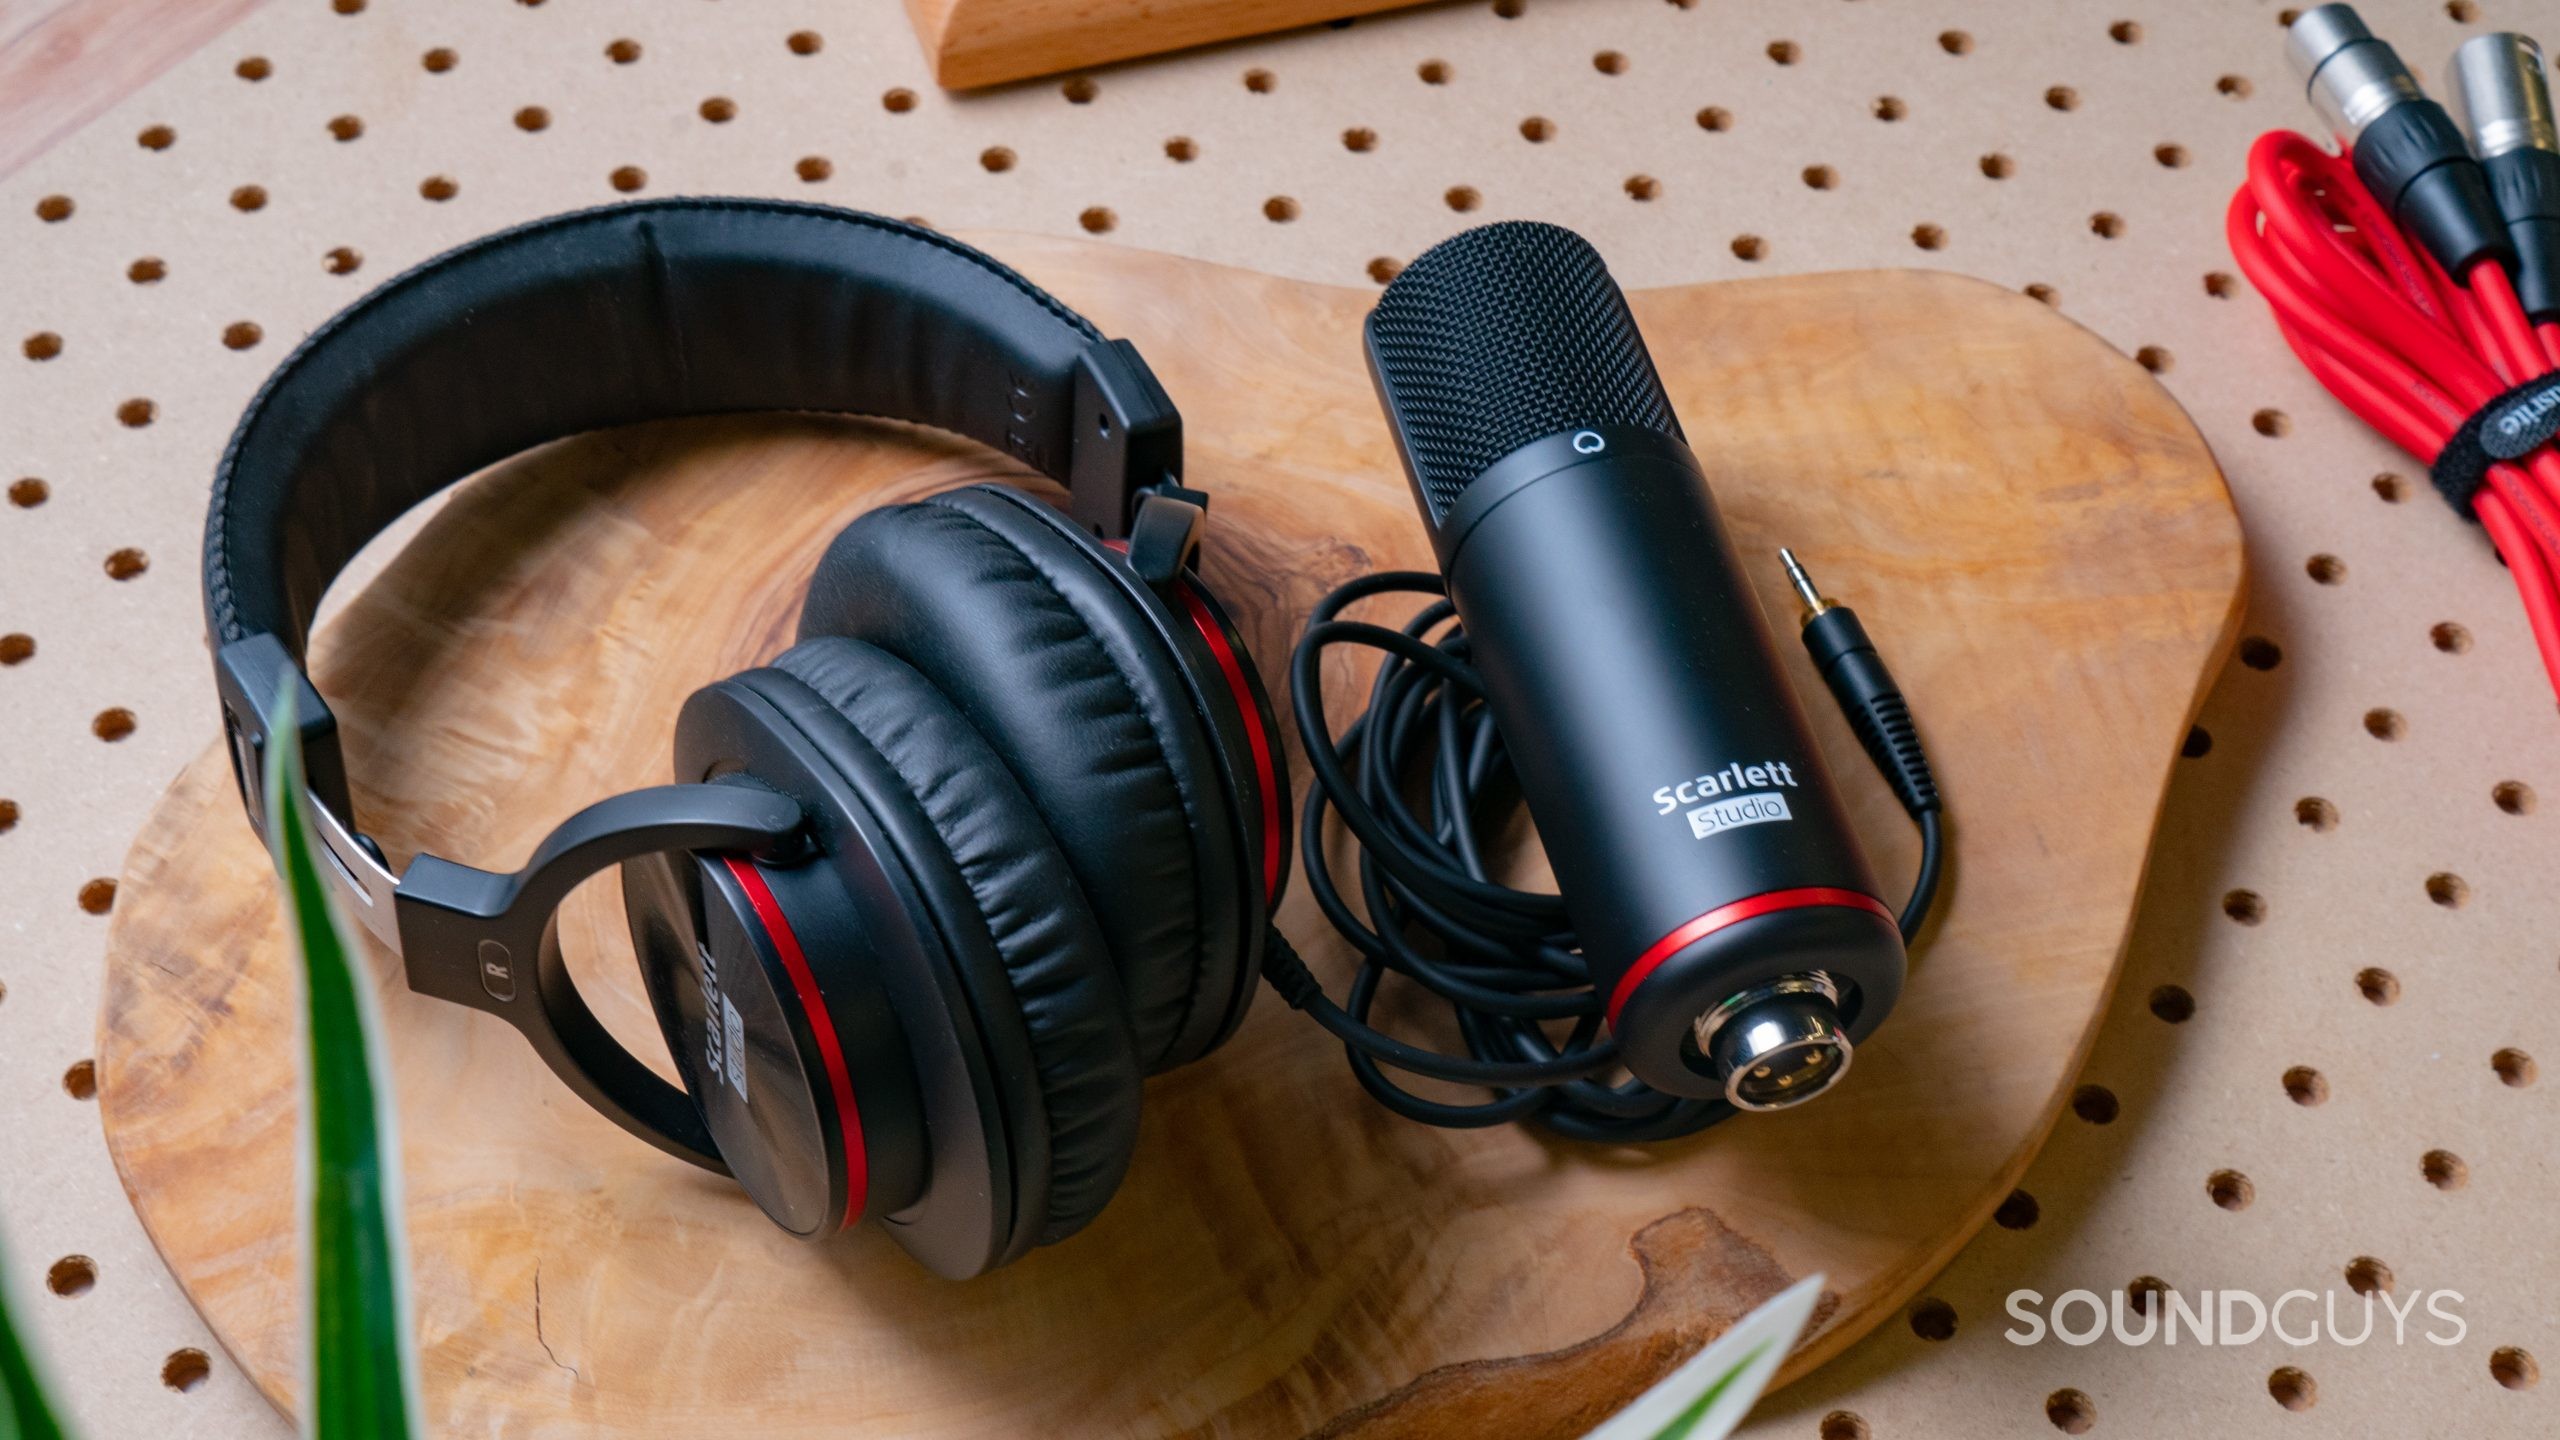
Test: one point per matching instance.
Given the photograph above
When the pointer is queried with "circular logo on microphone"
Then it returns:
(1588, 442)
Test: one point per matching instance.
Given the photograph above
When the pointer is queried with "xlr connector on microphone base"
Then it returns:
(1778, 1044)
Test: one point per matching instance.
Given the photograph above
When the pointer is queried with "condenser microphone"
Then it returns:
(1712, 881)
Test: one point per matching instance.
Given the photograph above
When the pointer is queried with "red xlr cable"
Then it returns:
(2389, 270)
(2378, 321)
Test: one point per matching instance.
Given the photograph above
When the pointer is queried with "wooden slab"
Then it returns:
(2031, 527)
(987, 42)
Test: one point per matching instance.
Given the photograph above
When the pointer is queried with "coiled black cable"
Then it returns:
(1422, 782)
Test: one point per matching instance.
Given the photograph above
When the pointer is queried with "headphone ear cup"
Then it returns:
(1002, 899)
(1049, 648)
(773, 1061)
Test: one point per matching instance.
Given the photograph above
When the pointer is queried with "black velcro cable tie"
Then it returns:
(2508, 428)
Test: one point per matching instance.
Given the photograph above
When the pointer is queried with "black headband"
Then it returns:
(635, 312)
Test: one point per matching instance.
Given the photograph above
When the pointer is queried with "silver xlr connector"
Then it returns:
(2351, 77)
(1778, 1044)
(2498, 91)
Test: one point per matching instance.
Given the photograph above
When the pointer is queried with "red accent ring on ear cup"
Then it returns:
(1266, 770)
(822, 1026)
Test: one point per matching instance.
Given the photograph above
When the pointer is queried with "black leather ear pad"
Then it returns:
(1049, 658)
(850, 697)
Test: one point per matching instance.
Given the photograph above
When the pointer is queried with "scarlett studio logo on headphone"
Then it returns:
(1727, 806)
(724, 1031)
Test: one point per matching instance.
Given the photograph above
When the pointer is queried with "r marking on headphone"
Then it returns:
(497, 971)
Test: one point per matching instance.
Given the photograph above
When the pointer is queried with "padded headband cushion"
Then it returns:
(1024, 902)
(606, 317)
(1050, 661)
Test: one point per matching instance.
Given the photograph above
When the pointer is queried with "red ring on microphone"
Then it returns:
(857, 1166)
(1748, 908)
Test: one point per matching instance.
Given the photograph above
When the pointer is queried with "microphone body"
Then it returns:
(1721, 900)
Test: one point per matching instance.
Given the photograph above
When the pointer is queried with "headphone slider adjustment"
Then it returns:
(1125, 434)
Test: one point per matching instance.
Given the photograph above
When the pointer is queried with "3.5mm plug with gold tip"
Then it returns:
(1849, 664)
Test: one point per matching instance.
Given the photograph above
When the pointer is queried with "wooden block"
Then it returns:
(64, 62)
(2031, 527)
(987, 42)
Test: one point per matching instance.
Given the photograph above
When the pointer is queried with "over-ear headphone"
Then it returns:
(935, 889)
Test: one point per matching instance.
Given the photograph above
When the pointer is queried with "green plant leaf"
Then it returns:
(1687, 1420)
(24, 1412)
(1711, 1391)
(360, 1372)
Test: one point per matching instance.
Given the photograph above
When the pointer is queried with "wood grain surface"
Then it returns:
(2029, 524)
(64, 62)
(987, 42)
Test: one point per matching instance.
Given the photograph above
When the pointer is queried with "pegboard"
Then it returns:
(2320, 1070)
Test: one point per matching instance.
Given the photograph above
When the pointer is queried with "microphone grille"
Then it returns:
(1502, 335)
